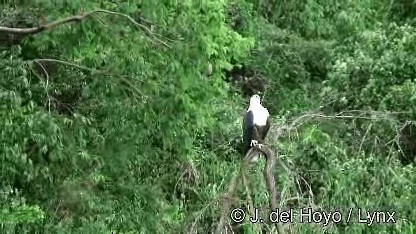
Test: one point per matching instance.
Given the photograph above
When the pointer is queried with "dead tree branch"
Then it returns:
(274, 196)
(268, 174)
(35, 30)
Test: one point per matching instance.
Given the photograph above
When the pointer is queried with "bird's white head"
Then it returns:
(255, 100)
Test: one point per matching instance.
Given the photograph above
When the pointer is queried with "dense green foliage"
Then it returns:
(126, 121)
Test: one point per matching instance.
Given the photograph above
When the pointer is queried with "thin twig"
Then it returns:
(200, 215)
(47, 84)
(365, 135)
(369, 115)
(132, 88)
(141, 26)
(76, 18)
(68, 63)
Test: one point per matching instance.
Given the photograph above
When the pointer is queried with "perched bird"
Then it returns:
(256, 124)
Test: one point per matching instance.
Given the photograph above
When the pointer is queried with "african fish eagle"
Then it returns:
(256, 124)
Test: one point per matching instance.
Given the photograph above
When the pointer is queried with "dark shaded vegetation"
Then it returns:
(130, 119)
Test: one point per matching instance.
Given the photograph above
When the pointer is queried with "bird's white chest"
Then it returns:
(260, 115)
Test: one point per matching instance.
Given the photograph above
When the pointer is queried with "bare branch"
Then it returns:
(34, 30)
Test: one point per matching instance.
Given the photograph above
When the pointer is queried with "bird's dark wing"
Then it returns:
(247, 130)
(244, 120)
